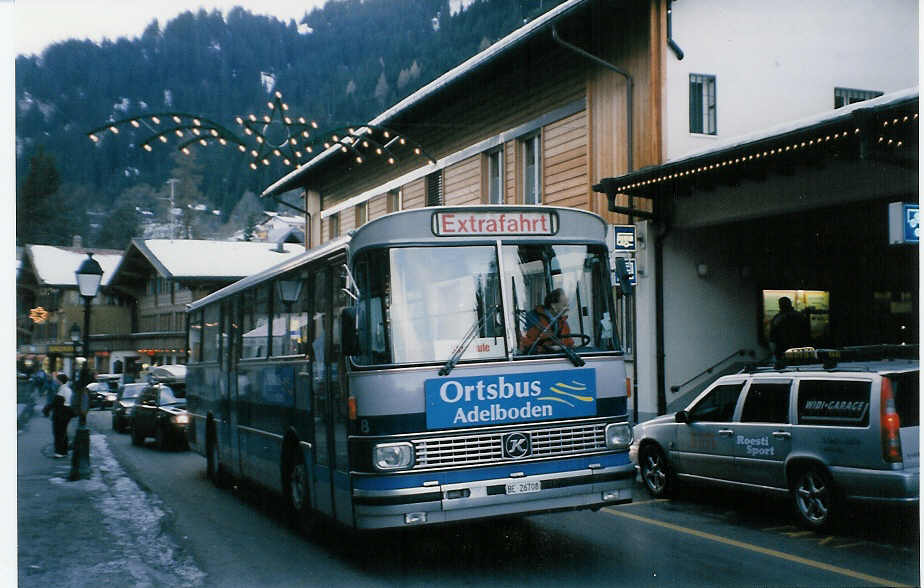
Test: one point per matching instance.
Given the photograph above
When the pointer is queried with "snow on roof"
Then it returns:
(196, 258)
(56, 266)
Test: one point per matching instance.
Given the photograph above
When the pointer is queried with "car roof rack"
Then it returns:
(799, 358)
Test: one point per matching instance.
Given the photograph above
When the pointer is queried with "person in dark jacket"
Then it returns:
(789, 328)
(61, 410)
(546, 323)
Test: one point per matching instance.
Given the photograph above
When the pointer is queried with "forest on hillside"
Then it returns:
(338, 65)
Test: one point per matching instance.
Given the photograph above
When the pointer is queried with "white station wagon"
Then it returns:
(822, 433)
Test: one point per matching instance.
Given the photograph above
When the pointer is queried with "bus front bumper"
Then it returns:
(436, 502)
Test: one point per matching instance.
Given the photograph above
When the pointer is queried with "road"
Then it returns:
(240, 537)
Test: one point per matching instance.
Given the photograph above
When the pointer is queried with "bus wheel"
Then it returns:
(296, 483)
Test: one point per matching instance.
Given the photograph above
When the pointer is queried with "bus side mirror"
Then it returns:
(349, 338)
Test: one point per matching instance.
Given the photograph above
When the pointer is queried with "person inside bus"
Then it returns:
(546, 323)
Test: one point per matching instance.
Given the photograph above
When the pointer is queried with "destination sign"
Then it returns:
(477, 223)
(510, 398)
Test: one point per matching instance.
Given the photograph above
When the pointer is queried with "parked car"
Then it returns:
(160, 414)
(125, 401)
(826, 434)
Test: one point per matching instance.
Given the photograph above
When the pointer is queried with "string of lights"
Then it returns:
(276, 135)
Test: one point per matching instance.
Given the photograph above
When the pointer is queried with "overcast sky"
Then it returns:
(39, 23)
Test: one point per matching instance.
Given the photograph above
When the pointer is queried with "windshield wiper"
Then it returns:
(470, 336)
(574, 357)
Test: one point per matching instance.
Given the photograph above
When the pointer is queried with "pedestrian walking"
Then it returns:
(39, 381)
(61, 411)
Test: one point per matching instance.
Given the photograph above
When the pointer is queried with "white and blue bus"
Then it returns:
(385, 378)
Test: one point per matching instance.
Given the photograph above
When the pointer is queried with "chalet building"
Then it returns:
(138, 316)
(50, 311)
(598, 90)
(274, 227)
(162, 276)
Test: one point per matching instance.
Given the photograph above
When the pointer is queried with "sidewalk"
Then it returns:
(101, 531)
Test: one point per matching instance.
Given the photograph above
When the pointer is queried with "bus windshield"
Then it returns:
(434, 304)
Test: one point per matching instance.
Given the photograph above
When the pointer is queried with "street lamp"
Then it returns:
(89, 275)
(75, 337)
(289, 291)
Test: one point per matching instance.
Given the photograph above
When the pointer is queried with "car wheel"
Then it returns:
(813, 497)
(137, 437)
(297, 487)
(655, 471)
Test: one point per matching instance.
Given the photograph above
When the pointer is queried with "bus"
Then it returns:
(383, 379)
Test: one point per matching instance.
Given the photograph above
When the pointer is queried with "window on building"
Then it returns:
(362, 214)
(532, 169)
(702, 104)
(495, 175)
(845, 96)
(333, 225)
(393, 202)
(435, 189)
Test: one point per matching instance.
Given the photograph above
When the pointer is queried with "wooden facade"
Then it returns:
(575, 105)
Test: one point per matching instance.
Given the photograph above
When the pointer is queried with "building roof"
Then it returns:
(856, 128)
(56, 266)
(461, 71)
(275, 227)
(197, 259)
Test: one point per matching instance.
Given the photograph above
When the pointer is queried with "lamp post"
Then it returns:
(89, 275)
(75, 337)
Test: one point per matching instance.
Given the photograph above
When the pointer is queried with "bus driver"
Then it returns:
(546, 323)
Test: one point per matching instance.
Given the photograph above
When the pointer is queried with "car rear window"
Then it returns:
(842, 403)
(905, 389)
(132, 391)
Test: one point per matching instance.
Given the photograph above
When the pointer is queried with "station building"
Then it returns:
(592, 104)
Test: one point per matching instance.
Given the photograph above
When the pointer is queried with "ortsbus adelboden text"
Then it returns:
(410, 373)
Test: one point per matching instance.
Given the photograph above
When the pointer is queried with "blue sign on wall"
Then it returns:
(510, 398)
(623, 238)
(904, 223)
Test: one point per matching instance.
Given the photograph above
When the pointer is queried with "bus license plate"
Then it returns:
(523, 487)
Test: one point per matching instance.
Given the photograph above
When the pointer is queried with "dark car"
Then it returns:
(160, 414)
(102, 393)
(125, 400)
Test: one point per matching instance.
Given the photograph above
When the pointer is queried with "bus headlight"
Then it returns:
(181, 419)
(618, 435)
(393, 456)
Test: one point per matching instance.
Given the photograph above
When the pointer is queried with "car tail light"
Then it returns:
(890, 423)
